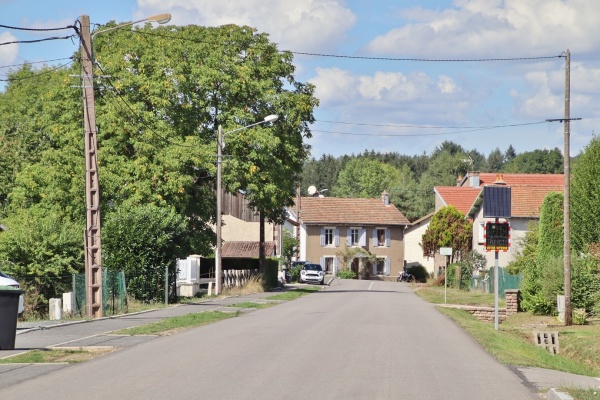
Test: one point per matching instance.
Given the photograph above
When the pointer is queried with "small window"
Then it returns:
(381, 237)
(480, 233)
(355, 236)
(328, 236)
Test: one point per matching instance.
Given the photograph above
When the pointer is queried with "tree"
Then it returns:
(142, 241)
(290, 248)
(495, 160)
(364, 178)
(163, 93)
(510, 153)
(536, 162)
(448, 228)
(585, 198)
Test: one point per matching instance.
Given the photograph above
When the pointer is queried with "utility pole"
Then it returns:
(567, 192)
(92, 242)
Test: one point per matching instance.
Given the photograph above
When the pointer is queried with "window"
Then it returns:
(381, 266)
(381, 237)
(328, 236)
(354, 236)
(480, 233)
(329, 264)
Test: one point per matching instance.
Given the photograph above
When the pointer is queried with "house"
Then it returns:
(331, 227)
(527, 195)
(413, 252)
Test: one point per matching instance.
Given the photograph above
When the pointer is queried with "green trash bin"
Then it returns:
(9, 310)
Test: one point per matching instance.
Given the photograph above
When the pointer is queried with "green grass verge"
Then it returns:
(294, 294)
(169, 325)
(70, 356)
(512, 343)
(251, 304)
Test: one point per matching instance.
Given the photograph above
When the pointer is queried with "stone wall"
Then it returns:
(513, 305)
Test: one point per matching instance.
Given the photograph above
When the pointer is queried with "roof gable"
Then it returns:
(349, 211)
(460, 197)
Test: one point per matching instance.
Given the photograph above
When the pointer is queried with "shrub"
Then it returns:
(419, 273)
(346, 274)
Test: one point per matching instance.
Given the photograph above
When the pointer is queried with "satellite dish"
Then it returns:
(312, 190)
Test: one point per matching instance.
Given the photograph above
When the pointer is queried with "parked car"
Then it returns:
(6, 280)
(312, 273)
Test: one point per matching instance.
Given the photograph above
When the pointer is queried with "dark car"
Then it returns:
(312, 273)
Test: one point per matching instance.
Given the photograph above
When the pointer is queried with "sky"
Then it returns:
(391, 75)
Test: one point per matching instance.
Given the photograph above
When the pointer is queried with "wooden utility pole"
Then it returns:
(567, 192)
(92, 242)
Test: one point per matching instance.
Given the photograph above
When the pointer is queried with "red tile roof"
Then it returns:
(460, 197)
(526, 201)
(333, 210)
(246, 249)
(488, 178)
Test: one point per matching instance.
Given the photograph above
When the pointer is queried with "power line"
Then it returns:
(39, 29)
(430, 126)
(427, 59)
(474, 129)
(49, 71)
(35, 62)
(39, 40)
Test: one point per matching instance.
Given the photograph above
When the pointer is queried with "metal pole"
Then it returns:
(92, 243)
(446, 281)
(496, 287)
(567, 192)
(218, 227)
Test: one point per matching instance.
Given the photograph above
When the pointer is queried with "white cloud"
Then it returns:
(9, 52)
(391, 97)
(493, 28)
(300, 25)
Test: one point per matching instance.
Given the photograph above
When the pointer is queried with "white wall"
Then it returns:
(413, 252)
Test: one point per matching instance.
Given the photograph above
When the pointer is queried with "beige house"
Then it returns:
(413, 251)
(331, 227)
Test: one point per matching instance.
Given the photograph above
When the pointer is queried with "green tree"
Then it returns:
(536, 162)
(585, 198)
(448, 228)
(510, 153)
(495, 160)
(290, 248)
(142, 241)
(364, 178)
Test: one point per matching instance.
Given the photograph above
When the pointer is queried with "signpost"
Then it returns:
(446, 251)
(497, 204)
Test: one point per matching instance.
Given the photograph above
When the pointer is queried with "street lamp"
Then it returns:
(269, 118)
(91, 237)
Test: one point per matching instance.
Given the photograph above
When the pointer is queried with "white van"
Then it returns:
(6, 280)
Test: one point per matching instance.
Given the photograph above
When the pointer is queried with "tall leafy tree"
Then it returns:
(585, 198)
(448, 228)
(365, 178)
(495, 160)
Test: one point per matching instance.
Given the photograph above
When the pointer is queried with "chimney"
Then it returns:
(474, 180)
(499, 180)
(385, 198)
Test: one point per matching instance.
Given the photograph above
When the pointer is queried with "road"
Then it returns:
(353, 340)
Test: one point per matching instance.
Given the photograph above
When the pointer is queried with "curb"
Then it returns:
(554, 394)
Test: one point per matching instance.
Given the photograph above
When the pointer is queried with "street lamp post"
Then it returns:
(91, 237)
(270, 118)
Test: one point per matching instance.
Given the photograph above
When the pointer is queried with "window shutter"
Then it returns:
(336, 265)
(374, 267)
(480, 238)
(363, 237)
(388, 239)
(348, 237)
(322, 262)
(322, 237)
(375, 241)
(336, 239)
(387, 266)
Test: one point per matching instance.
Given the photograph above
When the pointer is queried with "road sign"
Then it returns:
(497, 236)
(446, 251)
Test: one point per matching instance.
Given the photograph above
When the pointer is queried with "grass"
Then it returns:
(175, 324)
(70, 356)
(512, 343)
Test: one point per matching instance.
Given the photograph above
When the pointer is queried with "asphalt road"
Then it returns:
(354, 340)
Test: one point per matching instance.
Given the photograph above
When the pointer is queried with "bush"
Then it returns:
(419, 273)
(346, 274)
